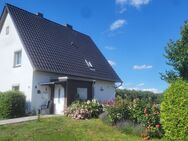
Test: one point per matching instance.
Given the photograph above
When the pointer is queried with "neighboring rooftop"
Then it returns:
(53, 47)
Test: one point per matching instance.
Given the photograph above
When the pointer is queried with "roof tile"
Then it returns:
(56, 48)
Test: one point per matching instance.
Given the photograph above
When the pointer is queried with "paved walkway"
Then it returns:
(23, 119)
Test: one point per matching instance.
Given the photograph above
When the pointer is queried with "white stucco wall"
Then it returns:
(9, 75)
(104, 90)
(43, 97)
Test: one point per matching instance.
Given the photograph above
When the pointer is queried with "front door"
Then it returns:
(58, 99)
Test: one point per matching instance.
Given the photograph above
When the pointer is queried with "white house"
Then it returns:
(50, 63)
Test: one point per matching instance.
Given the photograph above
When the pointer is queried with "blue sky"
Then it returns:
(131, 34)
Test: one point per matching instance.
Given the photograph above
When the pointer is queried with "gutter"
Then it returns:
(116, 87)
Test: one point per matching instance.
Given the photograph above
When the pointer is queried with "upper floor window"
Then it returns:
(17, 58)
(7, 30)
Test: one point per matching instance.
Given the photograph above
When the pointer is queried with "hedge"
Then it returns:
(12, 104)
(174, 111)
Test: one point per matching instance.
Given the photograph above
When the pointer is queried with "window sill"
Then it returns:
(17, 66)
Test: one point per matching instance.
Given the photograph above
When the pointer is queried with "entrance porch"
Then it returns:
(65, 90)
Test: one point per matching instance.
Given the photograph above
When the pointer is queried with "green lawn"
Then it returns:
(63, 129)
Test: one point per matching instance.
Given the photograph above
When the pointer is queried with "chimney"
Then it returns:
(68, 26)
(40, 14)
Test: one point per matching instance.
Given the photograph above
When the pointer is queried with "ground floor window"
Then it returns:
(82, 93)
(15, 87)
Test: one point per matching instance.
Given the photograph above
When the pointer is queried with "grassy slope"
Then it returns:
(63, 129)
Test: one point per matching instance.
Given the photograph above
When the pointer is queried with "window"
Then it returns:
(7, 30)
(16, 87)
(17, 58)
(82, 92)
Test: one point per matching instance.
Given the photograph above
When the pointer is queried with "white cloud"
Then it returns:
(110, 48)
(135, 3)
(127, 84)
(122, 10)
(117, 24)
(112, 63)
(138, 87)
(138, 3)
(140, 84)
(142, 67)
(121, 87)
(121, 2)
(154, 90)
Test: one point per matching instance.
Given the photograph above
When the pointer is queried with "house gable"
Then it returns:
(10, 43)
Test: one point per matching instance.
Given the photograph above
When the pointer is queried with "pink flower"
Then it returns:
(157, 125)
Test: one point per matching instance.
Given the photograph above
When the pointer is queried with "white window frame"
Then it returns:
(16, 87)
(7, 30)
(16, 64)
(89, 64)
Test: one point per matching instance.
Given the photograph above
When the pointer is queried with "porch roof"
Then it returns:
(64, 79)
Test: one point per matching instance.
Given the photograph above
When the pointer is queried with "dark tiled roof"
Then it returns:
(52, 47)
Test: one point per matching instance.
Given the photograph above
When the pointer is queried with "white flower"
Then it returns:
(94, 101)
(88, 102)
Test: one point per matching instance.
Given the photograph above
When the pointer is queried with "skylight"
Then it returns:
(89, 64)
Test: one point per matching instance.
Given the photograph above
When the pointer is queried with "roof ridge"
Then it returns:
(7, 4)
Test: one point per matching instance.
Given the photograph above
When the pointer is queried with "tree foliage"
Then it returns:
(142, 95)
(176, 53)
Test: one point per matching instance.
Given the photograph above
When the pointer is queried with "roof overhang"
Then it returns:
(3, 17)
(64, 79)
(75, 78)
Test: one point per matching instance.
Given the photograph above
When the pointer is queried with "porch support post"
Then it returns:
(93, 90)
(52, 99)
(64, 85)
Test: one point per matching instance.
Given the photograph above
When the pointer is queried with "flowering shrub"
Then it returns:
(138, 111)
(118, 109)
(147, 114)
(84, 110)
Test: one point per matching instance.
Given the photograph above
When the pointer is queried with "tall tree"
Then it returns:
(176, 54)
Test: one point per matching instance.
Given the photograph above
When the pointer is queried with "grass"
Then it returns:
(63, 129)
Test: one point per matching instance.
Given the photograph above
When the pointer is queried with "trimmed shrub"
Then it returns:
(12, 104)
(84, 110)
(174, 111)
